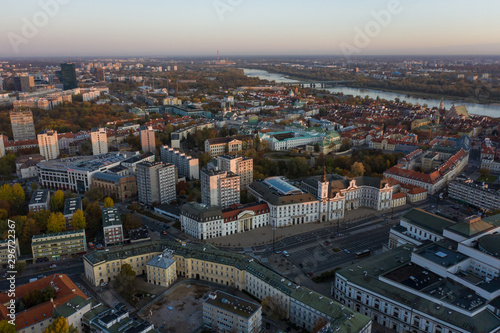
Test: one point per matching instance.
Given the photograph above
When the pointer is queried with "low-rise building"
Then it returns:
(117, 186)
(231, 145)
(223, 312)
(477, 194)
(58, 245)
(161, 270)
(39, 201)
(398, 199)
(26, 165)
(112, 226)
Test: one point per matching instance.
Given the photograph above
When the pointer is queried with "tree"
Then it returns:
(57, 201)
(93, 216)
(124, 281)
(34, 186)
(41, 218)
(56, 223)
(297, 167)
(108, 202)
(273, 308)
(94, 193)
(60, 325)
(78, 221)
(18, 195)
(131, 222)
(6, 327)
(30, 229)
(357, 169)
(485, 173)
(316, 147)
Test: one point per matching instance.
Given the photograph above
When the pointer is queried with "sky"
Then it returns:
(43, 28)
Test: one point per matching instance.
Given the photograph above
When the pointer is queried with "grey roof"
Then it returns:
(276, 199)
(71, 205)
(161, 261)
(39, 197)
(201, 212)
(428, 221)
(107, 176)
(110, 216)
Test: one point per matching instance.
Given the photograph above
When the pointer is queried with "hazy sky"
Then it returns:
(247, 27)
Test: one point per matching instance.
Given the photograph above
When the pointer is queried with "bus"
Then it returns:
(362, 254)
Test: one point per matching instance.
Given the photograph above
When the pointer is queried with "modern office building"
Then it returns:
(114, 185)
(156, 182)
(223, 312)
(24, 83)
(58, 245)
(68, 76)
(161, 270)
(47, 143)
(440, 276)
(23, 127)
(99, 74)
(219, 188)
(300, 305)
(75, 173)
(71, 205)
(112, 226)
(187, 166)
(242, 166)
(148, 142)
(99, 139)
(39, 201)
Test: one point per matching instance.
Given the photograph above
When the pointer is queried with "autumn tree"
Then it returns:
(357, 169)
(30, 229)
(56, 223)
(131, 222)
(108, 202)
(41, 218)
(94, 194)
(273, 308)
(60, 325)
(78, 221)
(93, 217)
(6, 327)
(57, 201)
(124, 282)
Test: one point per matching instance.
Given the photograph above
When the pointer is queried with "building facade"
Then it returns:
(112, 226)
(156, 182)
(228, 145)
(68, 76)
(115, 186)
(242, 166)
(99, 139)
(474, 193)
(58, 245)
(39, 201)
(47, 143)
(148, 142)
(219, 188)
(161, 270)
(186, 165)
(23, 127)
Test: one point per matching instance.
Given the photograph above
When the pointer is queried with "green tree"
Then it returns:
(94, 194)
(6, 327)
(56, 223)
(485, 173)
(93, 217)
(8, 165)
(78, 221)
(57, 201)
(316, 147)
(41, 218)
(6, 193)
(34, 186)
(108, 202)
(20, 267)
(297, 167)
(124, 282)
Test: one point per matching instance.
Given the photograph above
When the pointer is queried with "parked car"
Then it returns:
(347, 251)
(52, 266)
(311, 274)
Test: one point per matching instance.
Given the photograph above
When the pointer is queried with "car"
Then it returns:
(52, 266)
(278, 252)
(103, 284)
(311, 274)
(347, 251)
(285, 253)
(164, 232)
(41, 276)
(99, 246)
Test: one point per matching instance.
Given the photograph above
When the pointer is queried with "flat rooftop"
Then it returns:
(87, 163)
(428, 221)
(39, 197)
(440, 255)
(282, 186)
(233, 304)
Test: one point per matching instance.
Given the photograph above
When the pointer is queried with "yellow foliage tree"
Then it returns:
(108, 202)
(56, 223)
(60, 325)
(78, 222)
(5, 327)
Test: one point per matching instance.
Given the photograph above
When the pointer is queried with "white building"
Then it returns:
(156, 182)
(148, 142)
(219, 188)
(187, 166)
(47, 142)
(242, 166)
(441, 278)
(99, 139)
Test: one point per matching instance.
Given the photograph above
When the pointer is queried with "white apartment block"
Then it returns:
(148, 142)
(99, 139)
(187, 166)
(219, 188)
(156, 182)
(242, 166)
(47, 142)
(23, 127)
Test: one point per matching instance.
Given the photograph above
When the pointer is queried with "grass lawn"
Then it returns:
(489, 179)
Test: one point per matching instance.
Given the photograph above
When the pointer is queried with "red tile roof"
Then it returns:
(232, 213)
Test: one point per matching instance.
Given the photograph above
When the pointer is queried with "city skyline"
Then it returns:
(398, 27)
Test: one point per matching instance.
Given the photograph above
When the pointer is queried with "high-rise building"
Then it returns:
(25, 83)
(47, 142)
(2, 145)
(242, 166)
(22, 124)
(99, 140)
(187, 166)
(148, 142)
(99, 74)
(156, 182)
(219, 188)
(68, 76)
(112, 226)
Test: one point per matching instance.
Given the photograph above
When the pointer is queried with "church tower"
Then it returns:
(323, 186)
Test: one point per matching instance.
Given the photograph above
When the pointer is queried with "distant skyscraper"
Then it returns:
(47, 142)
(68, 75)
(24, 83)
(148, 142)
(22, 124)
(99, 74)
(99, 140)
(156, 182)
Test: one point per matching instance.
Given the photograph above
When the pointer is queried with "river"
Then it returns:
(490, 110)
